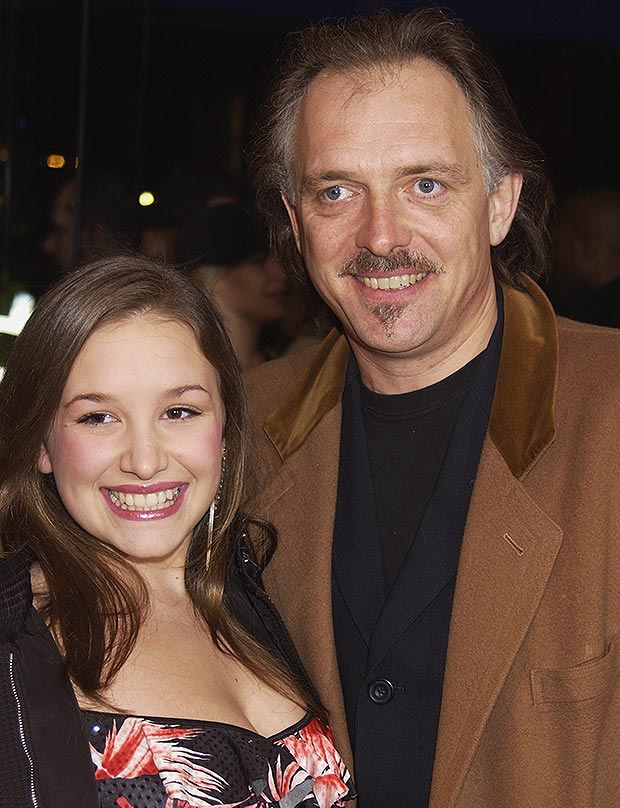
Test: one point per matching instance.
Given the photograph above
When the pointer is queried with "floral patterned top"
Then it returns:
(178, 763)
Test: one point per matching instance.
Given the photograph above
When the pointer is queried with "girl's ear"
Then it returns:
(44, 463)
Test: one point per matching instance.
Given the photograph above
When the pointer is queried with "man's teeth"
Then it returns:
(144, 502)
(392, 281)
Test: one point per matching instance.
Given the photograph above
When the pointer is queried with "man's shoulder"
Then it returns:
(592, 346)
(270, 381)
(588, 362)
(288, 366)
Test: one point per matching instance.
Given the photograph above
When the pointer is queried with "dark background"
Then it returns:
(172, 86)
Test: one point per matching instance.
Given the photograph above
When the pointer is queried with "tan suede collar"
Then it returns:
(522, 419)
(522, 422)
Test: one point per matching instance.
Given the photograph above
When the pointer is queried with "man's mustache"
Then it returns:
(393, 263)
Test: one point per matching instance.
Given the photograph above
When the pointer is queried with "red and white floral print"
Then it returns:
(313, 748)
(299, 770)
(143, 747)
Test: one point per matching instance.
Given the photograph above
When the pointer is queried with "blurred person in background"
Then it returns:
(227, 256)
(108, 219)
(585, 270)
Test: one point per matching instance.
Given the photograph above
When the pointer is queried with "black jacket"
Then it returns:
(44, 756)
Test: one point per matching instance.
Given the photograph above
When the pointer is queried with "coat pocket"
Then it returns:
(587, 682)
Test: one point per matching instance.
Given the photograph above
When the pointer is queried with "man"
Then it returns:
(442, 469)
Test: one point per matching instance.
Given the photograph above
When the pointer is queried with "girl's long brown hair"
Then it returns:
(96, 601)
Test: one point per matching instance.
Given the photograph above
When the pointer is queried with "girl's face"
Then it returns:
(136, 445)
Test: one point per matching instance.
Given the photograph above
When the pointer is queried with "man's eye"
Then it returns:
(95, 418)
(428, 187)
(335, 193)
(180, 413)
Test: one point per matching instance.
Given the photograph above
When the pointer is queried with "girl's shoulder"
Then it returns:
(15, 591)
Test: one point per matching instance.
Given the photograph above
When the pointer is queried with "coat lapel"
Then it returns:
(509, 545)
(298, 578)
(508, 552)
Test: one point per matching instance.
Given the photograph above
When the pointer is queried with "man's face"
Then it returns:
(389, 192)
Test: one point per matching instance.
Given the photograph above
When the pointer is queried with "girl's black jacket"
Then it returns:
(44, 756)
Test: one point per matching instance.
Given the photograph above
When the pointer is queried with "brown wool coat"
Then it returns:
(530, 713)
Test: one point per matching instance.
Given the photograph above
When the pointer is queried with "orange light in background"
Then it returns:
(4, 154)
(146, 198)
(55, 161)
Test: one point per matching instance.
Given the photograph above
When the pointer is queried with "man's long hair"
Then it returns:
(388, 41)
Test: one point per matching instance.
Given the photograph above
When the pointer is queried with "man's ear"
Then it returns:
(292, 215)
(44, 463)
(503, 206)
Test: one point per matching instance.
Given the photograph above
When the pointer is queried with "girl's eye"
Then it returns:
(180, 413)
(336, 193)
(428, 187)
(95, 418)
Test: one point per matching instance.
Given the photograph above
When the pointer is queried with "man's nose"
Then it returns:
(383, 227)
(144, 454)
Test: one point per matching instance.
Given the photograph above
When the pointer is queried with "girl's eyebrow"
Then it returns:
(97, 398)
(186, 388)
(102, 398)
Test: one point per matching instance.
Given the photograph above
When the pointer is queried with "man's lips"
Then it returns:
(134, 502)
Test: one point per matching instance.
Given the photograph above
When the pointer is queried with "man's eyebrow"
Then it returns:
(453, 171)
(313, 182)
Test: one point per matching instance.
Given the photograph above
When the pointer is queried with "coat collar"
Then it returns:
(522, 422)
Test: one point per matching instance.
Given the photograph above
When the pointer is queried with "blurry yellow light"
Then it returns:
(146, 198)
(76, 162)
(55, 161)
(4, 154)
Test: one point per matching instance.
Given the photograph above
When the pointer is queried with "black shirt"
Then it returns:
(407, 439)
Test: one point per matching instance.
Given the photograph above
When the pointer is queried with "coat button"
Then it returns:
(381, 691)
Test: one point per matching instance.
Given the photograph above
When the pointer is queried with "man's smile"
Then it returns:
(391, 281)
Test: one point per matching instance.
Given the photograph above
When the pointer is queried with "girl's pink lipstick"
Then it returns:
(145, 502)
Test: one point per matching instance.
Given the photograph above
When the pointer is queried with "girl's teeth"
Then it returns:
(144, 502)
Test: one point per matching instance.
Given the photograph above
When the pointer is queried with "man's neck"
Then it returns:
(392, 374)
